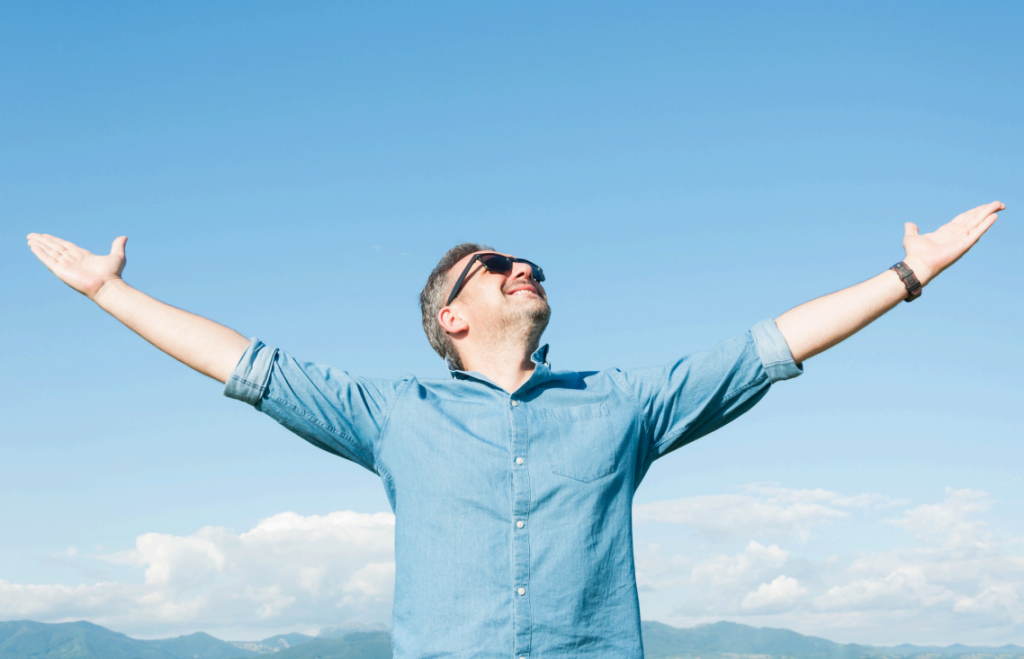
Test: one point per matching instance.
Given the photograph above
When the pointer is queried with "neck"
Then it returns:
(508, 366)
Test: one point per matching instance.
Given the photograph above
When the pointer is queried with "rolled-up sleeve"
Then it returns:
(704, 391)
(336, 411)
(248, 382)
(774, 351)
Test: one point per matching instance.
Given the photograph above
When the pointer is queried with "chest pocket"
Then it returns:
(581, 441)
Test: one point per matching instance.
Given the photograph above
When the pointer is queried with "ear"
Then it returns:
(452, 321)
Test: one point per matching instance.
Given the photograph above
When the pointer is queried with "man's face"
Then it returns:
(497, 303)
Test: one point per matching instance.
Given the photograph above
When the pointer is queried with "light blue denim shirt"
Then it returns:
(513, 513)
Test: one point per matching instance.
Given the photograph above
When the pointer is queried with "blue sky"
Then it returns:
(680, 172)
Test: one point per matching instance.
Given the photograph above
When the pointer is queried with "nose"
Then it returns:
(521, 271)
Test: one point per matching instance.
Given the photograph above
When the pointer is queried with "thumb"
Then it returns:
(117, 247)
(910, 228)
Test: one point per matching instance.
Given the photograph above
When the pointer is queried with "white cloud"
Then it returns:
(710, 584)
(764, 509)
(375, 581)
(957, 578)
(1002, 597)
(739, 569)
(948, 522)
(782, 590)
(288, 570)
(905, 587)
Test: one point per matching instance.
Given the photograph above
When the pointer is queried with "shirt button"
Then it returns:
(514, 403)
(520, 524)
(521, 591)
(519, 461)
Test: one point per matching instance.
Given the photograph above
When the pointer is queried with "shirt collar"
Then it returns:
(539, 357)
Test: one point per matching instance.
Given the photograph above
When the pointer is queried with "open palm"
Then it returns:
(942, 248)
(79, 268)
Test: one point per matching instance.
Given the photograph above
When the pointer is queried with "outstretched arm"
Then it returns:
(818, 325)
(208, 347)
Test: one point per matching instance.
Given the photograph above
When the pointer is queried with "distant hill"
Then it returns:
(723, 640)
(274, 643)
(349, 627)
(354, 645)
(957, 650)
(728, 640)
(25, 639)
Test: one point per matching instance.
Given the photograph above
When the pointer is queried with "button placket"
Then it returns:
(523, 627)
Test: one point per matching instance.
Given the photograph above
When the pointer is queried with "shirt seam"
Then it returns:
(387, 421)
(262, 389)
(638, 410)
(349, 442)
(728, 397)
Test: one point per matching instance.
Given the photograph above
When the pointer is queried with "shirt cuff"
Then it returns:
(774, 351)
(251, 377)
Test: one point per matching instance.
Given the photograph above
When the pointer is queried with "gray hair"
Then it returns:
(434, 295)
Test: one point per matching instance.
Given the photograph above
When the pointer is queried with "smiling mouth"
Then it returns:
(524, 290)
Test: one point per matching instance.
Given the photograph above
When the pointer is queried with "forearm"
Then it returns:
(206, 346)
(816, 326)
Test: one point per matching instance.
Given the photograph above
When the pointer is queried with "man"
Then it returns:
(511, 482)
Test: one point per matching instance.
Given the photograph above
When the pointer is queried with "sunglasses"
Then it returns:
(493, 263)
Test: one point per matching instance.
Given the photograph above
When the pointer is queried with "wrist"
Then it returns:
(108, 288)
(923, 273)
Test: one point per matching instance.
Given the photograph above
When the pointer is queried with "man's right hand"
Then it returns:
(80, 269)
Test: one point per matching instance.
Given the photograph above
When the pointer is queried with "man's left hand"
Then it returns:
(931, 253)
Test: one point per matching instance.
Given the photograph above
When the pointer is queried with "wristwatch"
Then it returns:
(909, 280)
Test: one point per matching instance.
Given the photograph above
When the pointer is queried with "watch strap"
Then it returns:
(909, 280)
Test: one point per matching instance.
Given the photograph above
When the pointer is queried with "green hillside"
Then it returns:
(724, 640)
(274, 643)
(355, 645)
(83, 640)
(728, 638)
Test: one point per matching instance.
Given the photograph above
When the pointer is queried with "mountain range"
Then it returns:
(25, 639)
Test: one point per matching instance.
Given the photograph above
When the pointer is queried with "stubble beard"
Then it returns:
(524, 321)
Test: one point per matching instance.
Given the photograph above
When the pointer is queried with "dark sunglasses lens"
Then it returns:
(496, 263)
(538, 274)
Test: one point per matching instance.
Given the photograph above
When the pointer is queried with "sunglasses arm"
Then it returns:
(462, 278)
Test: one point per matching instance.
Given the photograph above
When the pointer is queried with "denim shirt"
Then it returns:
(513, 512)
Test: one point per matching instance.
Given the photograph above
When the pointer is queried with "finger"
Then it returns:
(49, 250)
(63, 243)
(910, 229)
(117, 247)
(983, 215)
(978, 231)
(49, 241)
(41, 254)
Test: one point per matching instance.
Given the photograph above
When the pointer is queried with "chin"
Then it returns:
(535, 306)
